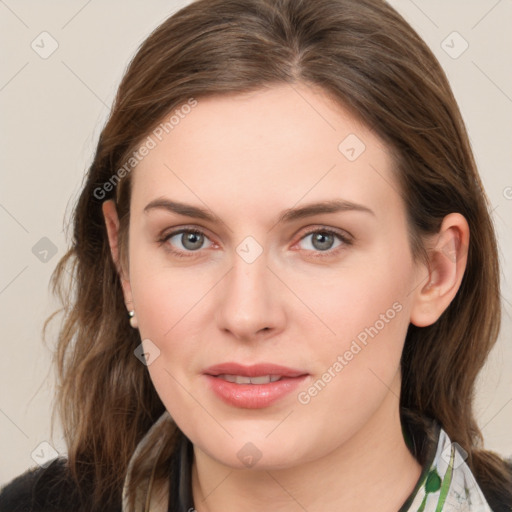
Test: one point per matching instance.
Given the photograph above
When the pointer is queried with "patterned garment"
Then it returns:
(449, 485)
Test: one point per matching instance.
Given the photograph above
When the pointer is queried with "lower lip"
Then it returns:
(253, 396)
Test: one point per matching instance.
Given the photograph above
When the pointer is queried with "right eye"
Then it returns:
(185, 241)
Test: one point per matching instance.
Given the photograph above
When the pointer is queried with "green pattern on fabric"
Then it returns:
(447, 480)
(449, 485)
(432, 484)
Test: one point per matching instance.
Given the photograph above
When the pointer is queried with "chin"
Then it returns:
(259, 454)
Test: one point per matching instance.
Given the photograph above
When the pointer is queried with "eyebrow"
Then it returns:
(289, 215)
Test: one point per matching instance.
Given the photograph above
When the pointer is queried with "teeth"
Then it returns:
(242, 379)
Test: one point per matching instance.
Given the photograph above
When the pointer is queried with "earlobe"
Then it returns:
(446, 266)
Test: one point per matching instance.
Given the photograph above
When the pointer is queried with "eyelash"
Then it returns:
(346, 241)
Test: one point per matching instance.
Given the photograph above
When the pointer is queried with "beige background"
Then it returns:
(52, 113)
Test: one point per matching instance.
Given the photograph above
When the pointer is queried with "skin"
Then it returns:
(248, 158)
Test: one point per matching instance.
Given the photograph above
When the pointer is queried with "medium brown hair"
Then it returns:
(364, 55)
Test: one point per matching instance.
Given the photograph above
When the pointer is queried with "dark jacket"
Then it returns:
(47, 489)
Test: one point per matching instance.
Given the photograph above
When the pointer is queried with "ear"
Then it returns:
(112, 224)
(446, 266)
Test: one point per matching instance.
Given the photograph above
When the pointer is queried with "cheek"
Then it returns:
(168, 302)
(368, 311)
(356, 369)
(366, 300)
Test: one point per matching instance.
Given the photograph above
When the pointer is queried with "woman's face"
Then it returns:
(289, 248)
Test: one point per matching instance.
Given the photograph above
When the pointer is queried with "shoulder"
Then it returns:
(49, 489)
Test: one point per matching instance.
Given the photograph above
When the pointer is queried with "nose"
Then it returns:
(251, 301)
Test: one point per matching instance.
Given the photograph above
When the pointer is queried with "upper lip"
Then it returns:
(253, 370)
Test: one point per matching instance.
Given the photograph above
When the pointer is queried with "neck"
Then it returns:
(373, 470)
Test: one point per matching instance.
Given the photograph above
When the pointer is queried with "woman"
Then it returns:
(286, 278)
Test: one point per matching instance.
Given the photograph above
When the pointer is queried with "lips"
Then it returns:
(254, 386)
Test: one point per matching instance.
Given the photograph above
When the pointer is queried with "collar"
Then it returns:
(446, 483)
(149, 496)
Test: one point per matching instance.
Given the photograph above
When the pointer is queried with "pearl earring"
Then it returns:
(133, 319)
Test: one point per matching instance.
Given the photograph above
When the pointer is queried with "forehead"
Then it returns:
(273, 146)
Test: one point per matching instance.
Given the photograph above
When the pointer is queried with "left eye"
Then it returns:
(189, 240)
(322, 240)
